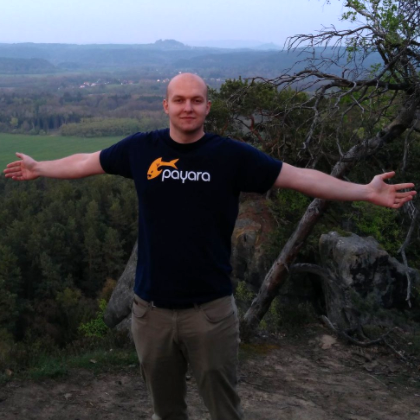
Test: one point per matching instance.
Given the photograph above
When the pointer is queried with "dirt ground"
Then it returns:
(308, 377)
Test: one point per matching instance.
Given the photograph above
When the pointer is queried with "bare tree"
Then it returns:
(344, 81)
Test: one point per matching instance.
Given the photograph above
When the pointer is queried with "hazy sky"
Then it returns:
(141, 21)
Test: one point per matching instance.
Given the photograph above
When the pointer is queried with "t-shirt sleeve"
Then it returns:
(257, 170)
(116, 158)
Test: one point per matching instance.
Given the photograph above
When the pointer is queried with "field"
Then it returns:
(48, 147)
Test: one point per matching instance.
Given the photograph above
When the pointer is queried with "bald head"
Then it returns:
(187, 106)
(187, 80)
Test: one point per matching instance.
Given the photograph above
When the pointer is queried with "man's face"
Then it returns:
(187, 105)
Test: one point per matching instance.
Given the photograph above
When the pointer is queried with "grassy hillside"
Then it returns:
(48, 147)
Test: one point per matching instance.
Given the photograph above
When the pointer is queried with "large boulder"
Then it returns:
(361, 279)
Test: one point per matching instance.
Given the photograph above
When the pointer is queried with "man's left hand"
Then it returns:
(389, 195)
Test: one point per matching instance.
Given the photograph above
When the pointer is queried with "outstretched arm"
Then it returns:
(320, 185)
(75, 166)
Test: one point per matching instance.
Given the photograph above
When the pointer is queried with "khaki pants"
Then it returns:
(206, 337)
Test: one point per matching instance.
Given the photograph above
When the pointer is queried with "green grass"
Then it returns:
(61, 365)
(98, 361)
(48, 147)
(48, 368)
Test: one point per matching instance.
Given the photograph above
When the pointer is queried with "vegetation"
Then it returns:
(96, 327)
(26, 361)
(106, 127)
(22, 65)
(61, 241)
(281, 317)
(41, 112)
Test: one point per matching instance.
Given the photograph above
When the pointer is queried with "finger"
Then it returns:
(20, 155)
(13, 174)
(405, 194)
(397, 205)
(13, 168)
(9, 174)
(403, 186)
(400, 202)
(15, 163)
(387, 175)
(15, 177)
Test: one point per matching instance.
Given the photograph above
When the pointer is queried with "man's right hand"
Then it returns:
(23, 169)
(71, 167)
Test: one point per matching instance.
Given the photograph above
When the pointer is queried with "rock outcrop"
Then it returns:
(118, 311)
(360, 279)
(250, 241)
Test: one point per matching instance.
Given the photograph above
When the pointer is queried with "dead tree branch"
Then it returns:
(343, 335)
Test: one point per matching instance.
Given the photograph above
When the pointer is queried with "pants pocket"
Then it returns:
(218, 310)
(140, 309)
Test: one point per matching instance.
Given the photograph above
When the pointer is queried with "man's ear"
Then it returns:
(165, 106)
(208, 107)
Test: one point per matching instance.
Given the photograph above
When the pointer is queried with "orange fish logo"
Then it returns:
(155, 170)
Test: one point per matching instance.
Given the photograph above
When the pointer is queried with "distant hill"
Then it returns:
(169, 56)
(248, 63)
(25, 66)
(102, 56)
(169, 44)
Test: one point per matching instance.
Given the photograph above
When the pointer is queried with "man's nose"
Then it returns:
(188, 106)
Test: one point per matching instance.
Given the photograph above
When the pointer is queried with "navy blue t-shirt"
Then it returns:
(188, 204)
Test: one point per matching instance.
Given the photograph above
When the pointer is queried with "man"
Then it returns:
(188, 183)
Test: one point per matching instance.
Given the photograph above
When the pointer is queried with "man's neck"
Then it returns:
(185, 138)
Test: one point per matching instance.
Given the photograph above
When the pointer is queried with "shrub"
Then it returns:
(96, 327)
